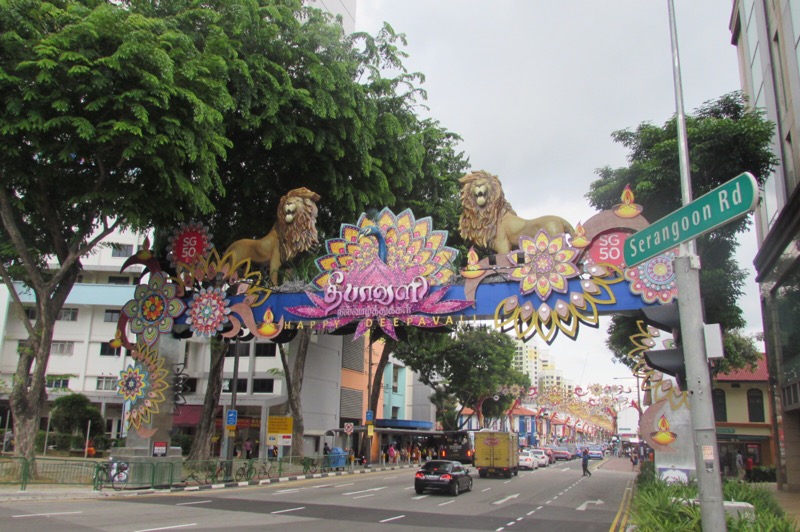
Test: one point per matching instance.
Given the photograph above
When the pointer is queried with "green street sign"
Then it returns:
(724, 204)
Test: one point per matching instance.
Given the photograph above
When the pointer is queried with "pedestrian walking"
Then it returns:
(248, 448)
(634, 460)
(748, 468)
(739, 466)
(585, 463)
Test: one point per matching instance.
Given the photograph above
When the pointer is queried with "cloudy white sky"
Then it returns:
(535, 88)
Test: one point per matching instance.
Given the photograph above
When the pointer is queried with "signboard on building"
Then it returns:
(159, 448)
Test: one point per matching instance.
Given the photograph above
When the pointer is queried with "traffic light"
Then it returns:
(667, 361)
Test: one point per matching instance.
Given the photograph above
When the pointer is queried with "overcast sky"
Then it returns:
(536, 88)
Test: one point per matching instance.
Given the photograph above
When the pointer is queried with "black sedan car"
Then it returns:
(443, 475)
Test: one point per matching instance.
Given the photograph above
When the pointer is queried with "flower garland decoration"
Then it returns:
(208, 312)
(142, 386)
(654, 280)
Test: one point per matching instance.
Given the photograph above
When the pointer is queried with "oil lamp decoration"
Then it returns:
(663, 435)
(627, 209)
(268, 328)
(473, 269)
(580, 240)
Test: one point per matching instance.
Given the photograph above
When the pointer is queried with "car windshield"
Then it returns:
(437, 467)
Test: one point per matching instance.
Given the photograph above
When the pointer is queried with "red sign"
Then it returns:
(608, 248)
(159, 448)
(189, 244)
(491, 442)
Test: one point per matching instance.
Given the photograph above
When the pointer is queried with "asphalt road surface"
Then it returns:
(554, 498)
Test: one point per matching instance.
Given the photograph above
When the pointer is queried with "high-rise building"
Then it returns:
(767, 37)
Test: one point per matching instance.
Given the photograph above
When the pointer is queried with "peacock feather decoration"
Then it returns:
(400, 265)
(400, 241)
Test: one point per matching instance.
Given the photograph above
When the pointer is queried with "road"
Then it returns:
(556, 497)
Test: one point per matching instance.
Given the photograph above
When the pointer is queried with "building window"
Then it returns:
(720, 408)
(57, 382)
(190, 385)
(111, 316)
(755, 405)
(107, 351)
(263, 385)
(62, 348)
(244, 349)
(119, 279)
(395, 412)
(241, 385)
(266, 350)
(68, 314)
(121, 250)
(395, 378)
(106, 384)
(30, 313)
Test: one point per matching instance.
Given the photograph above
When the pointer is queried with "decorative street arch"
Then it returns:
(390, 271)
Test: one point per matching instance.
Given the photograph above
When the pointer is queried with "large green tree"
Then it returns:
(469, 365)
(110, 119)
(725, 138)
(317, 108)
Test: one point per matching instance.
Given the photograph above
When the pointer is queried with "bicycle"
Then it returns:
(309, 465)
(215, 474)
(117, 475)
(254, 469)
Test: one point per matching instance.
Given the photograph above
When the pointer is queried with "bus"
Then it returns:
(444, 444)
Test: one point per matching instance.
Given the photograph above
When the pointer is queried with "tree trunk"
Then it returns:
(201, 445)
(377, 377)
(294, 387)
(26, 398)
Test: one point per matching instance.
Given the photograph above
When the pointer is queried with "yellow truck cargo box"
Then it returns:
(496, 453)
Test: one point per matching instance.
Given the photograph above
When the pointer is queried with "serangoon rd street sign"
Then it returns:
(724, 204)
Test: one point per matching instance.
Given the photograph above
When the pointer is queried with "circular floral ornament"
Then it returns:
(654, 280)
(142, 386)
(208, 311)
(547, 267)
(154, 308)
(188, 244)
(131, 384)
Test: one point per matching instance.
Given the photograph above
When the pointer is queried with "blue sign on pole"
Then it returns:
(369, 415)
(232, 418)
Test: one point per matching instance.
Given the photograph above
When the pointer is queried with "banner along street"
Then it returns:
(725, 203)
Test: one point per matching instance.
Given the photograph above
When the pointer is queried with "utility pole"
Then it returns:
(687, 276)
(232, 433)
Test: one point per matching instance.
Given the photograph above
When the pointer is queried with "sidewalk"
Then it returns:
(789, 501)
(11, 492)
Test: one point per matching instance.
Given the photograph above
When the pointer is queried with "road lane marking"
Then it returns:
(193, 502)
(288, 510)
(392, 518)
(409, 488)
(343, 485)
(501, 501)
(322, 486)
(485, 489)
(448, 502)
(166, 527)
(362, 496)
(365, 491)
(45, 515)
(293, 490)
(418, 497)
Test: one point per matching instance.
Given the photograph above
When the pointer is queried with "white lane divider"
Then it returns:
(193, 502)
(45, 515)
(391, 519)
(365, 491)
(288, 510)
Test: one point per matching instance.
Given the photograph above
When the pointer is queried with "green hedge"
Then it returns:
(657, 506)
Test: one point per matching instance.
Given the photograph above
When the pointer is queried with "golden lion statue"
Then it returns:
(294, 232)
(488, 220)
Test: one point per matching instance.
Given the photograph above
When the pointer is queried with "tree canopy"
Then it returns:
(725, 138)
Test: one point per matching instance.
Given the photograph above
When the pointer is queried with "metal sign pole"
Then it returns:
(687, 276)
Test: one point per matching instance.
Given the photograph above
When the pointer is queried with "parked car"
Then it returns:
(550, 455)
(527, 460)
(562, 453)
(595, 453)
(443, 475)
(541, 457)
